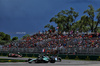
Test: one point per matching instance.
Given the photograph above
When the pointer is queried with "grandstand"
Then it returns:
(55, 43)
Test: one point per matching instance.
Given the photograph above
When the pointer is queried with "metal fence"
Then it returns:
(79, 51)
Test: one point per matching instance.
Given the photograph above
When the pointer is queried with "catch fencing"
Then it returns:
(69, 51)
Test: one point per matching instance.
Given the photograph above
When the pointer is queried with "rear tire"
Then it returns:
(30, 62)
(52, 61)
(29, 59)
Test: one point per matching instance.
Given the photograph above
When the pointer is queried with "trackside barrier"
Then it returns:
(72, 56)
(81, 57)
(30, 55)
(63, 56)
(23, 54)
(63, 50)
(36, 55)
(4, 54)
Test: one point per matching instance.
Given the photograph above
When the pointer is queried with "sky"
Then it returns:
(20, 17)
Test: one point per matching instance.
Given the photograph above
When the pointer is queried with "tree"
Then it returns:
(47, 26)
(91, 15)
(93, 24)
(2, 42)
(82, 24)
(50, 27)
(4, 38)
(14, 38)
(25, 36)
(7, 37)
(98, 20)
(65, 19)
(2, 35)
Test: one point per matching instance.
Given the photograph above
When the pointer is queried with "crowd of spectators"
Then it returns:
(57, 41)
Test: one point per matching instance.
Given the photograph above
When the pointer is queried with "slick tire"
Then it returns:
(52, 61)
(60, 59)
(29, 60)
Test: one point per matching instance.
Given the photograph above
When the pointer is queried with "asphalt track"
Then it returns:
(63, 63)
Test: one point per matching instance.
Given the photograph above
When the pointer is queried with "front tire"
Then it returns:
(60, 59)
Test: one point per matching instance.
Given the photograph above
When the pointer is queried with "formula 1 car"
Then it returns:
(42, 59)
(14, 55)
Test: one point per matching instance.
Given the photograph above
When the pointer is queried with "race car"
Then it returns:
(42, 59)
(14, 55)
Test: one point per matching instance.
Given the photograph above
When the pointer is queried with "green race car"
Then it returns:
(42, 59)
